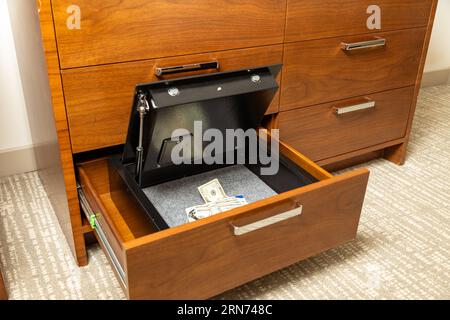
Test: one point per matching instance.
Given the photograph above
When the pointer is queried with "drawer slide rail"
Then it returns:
(92, 218)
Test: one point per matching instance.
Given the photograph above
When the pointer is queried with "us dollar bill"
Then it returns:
(211, 208)
(212, 191)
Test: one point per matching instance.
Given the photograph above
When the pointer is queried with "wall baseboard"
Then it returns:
(15, 161)
(435, 78)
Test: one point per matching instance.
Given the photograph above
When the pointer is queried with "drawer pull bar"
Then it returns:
(239, 231)
(380, 42)
(187, 68)
(369, 104)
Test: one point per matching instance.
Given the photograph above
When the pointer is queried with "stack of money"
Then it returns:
(216, 201)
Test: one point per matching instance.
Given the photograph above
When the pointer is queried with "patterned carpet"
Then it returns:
(402, 250)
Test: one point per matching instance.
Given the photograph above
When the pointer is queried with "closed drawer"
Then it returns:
(320, 71)
(98, 99)
(204, 258)
(312, 19)
(117, 31)
(320, 132)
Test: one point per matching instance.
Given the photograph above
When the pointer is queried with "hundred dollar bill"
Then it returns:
(212, 191)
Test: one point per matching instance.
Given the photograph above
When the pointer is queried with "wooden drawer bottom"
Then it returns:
(201, 259)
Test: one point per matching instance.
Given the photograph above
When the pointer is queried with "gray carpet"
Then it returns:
(402, 250)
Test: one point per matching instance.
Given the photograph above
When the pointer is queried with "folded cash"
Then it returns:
(214, 207)
(212, 191)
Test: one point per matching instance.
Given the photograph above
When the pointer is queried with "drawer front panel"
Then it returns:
(320, 71)
(212, 258)
(98, 99)
(328, 130)
(312, 19)
(207, 257)
(118, 31)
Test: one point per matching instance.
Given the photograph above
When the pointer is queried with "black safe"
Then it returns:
(220, 101)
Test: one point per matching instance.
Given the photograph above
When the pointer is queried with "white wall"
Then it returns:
(439, 52)
(14, 128)
(24, 18)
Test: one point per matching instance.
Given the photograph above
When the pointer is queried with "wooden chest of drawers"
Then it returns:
(348, 89)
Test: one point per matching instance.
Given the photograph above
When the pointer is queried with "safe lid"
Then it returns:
(167, 113)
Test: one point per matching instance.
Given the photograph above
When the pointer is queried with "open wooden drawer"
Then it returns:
(204, 258)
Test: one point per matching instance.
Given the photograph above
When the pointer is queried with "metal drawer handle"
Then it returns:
(161, 71)
(239, 231)
(379, 42)
(367, 104)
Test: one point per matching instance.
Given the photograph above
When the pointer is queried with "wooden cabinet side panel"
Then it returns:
(70, 222)
(397, 154)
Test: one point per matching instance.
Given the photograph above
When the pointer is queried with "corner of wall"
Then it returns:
(17, 160)
(16, 150)
(435, 78)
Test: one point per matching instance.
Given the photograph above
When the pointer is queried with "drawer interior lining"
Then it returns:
(172, 198)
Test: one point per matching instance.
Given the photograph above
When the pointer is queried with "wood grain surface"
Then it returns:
(312, 19)
(207, 259)
(320, 133)
(170, 264)
(319, 71)
(99, 99)
(117, 31)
